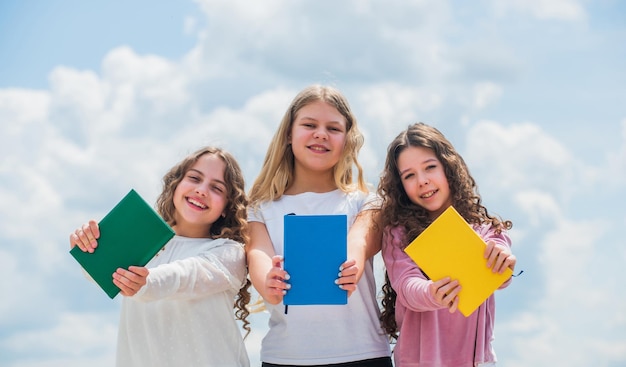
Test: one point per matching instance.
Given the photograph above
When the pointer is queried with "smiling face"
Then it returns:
(424, 179)
(200, 197)
(318, 136)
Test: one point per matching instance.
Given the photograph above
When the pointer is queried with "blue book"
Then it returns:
(130, 234)
(315, 246)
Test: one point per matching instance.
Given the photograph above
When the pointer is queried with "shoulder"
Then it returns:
(209, 244)
(488, 232)
(361, 200)
(258, 211)
(226, 242)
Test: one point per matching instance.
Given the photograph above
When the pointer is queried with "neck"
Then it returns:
(308, 181)
(191, 231)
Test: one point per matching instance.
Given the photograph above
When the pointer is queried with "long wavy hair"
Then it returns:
(234, 223)
(277, 172)
(398, 210)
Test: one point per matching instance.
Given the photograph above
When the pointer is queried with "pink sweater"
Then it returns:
(430, 336)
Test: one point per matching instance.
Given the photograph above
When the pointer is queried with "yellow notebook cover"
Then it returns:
(451, 247)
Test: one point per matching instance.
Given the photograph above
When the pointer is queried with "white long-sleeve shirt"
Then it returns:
(184, 315)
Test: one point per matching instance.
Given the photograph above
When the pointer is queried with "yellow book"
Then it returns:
(451, 247)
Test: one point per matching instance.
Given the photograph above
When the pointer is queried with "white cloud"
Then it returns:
(71, 150)
(485, 94)
(524, 157)
(20, 107)
(576, 297)
(539, 206)
(76, 340)
(567, 10)
(150, 84)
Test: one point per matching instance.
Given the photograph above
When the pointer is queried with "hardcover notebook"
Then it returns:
(315, 246)
(451, 247)
(130, 234)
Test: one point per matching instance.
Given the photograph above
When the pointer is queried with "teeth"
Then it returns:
(197, 203)
(319, 149)
(428, 194)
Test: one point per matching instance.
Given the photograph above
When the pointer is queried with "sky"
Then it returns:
(103, 96)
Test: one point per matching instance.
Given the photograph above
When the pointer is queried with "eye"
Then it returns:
(193, 178)
(407, 176)
(218, 188)
(431, 166)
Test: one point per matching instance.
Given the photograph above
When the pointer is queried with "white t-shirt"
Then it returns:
(184, 315)
(321, 334)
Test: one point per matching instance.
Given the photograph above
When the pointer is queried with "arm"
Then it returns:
(218, 268)
(414, 290)
(364, 239)
(265, 267)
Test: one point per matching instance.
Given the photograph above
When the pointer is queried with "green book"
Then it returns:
(130, 234)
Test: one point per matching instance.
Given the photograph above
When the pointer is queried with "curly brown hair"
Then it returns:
(233, 225)
(398, 210)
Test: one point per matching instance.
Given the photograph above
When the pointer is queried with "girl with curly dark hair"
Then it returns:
(423, 176)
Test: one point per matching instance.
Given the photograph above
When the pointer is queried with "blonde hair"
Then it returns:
(278, 167)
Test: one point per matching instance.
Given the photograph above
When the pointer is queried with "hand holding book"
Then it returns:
(450, 247)
(129, 235)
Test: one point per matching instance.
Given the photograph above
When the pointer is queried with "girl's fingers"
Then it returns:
(130, 281)
(454, 305)
(86, 237)
(447, 292)
(94, 229)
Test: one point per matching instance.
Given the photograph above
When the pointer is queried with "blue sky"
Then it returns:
(96, 98)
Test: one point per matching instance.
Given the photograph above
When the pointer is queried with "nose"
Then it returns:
(202, 190)
(320, 133)
(423, 179)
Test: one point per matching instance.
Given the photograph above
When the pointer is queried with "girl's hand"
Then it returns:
(347, 276)
(86, 237)
(130, 281)
(499, 257)
(275, 284)
(446, 293)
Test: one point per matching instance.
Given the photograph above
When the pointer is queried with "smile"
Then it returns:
(196, 203)
(428, 194)
(318, 148)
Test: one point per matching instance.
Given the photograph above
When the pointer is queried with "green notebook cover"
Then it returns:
(315, 246)
(130, 234)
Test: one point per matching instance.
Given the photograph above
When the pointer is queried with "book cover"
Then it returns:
(315, 246)
(130, 234)
(451, 247)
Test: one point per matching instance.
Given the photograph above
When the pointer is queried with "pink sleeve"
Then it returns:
(406, 278)
(487, 233)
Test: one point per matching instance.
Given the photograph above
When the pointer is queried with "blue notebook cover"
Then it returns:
(130, 234)
(315, 246)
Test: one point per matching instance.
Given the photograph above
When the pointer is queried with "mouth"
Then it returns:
(318, 148)
(197, 203)
(429, 194)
